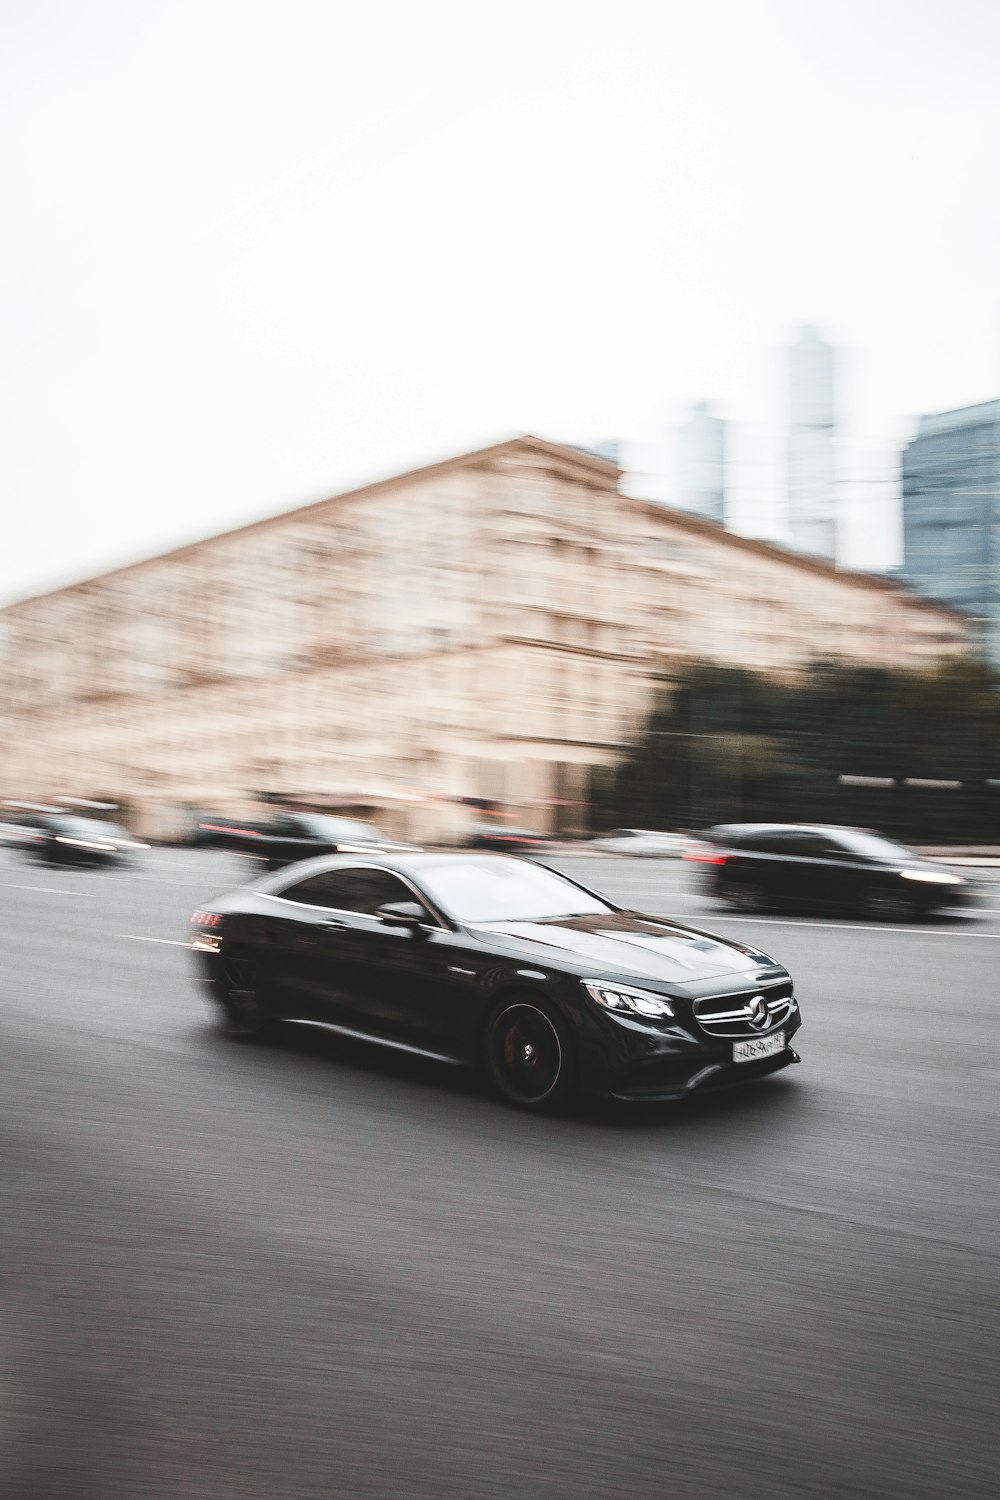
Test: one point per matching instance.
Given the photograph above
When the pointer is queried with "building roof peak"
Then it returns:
(959, 416)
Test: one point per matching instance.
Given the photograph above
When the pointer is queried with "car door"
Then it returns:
(814, 869)
(307, 949)
(282, 841)
(296, 838)
(409, 985)
(853, 874)
(757, 862)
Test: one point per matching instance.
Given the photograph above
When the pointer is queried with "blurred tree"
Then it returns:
(724, 744)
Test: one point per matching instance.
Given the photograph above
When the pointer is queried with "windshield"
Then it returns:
(495, 889)
(859, 841)
(89, 828)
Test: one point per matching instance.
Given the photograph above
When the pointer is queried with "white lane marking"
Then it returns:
(50, 890)
(116, 879)
(938, 932)
(137, 937)
(972, 864)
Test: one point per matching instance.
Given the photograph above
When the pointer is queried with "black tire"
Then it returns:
(882, 904)
(245, 1000)
(742, 894)
(528, 1054)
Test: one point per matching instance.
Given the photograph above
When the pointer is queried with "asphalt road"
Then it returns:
(324, 1270)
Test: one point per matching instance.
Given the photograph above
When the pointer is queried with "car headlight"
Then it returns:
(932, 877)
(627, 1001)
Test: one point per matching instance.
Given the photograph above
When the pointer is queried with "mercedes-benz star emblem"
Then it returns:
(757, 1013)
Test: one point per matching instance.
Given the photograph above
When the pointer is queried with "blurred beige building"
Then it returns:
(491, 627)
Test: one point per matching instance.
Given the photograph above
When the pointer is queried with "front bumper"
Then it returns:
(644, 1062)
(710, 1078)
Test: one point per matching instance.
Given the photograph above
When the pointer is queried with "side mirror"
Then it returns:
(403, 914)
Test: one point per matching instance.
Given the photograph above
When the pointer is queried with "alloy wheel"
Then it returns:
(525, 1055)
(888, 906)
(742, 895)
(247, 1014)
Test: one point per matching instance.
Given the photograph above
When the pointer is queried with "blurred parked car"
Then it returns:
(220, 831)
(59, 839)
(642, 841)
(498, 963)
(800, 865)
(13, 835)
(512, 840)
(291, 836)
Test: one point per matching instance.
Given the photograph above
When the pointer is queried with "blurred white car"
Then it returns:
(643, 841)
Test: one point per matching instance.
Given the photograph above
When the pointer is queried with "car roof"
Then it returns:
(407, 862)
(502, 828)
(730, 829)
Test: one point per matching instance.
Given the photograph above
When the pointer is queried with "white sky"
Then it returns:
(254, 253)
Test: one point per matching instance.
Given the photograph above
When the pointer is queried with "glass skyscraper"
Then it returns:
(701, 464)
(951, 514)
(812, 446)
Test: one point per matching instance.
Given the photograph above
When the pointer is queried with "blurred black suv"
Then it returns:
(813, 866)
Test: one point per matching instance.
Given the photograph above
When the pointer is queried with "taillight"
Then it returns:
(205, 919)
(241, 833)
(706, 859)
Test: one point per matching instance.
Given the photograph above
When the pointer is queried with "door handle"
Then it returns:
(333, 924)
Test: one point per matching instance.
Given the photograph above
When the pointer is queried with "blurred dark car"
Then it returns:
(58, 839)
(814, 866)
(497, 963)
(506, 840)
(291, 836)
(220, 831)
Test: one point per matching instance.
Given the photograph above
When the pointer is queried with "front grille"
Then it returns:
(730, 1015)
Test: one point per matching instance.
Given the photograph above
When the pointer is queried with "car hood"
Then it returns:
(918, 862)
(629, 942)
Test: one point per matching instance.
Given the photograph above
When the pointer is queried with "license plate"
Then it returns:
(757, 1047)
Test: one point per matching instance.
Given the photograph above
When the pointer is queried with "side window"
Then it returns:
(360, 890)
(811, 846)
(768, 843)
(318, 890)
(366, 890)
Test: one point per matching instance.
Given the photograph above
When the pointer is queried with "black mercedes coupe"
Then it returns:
(499, 963)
